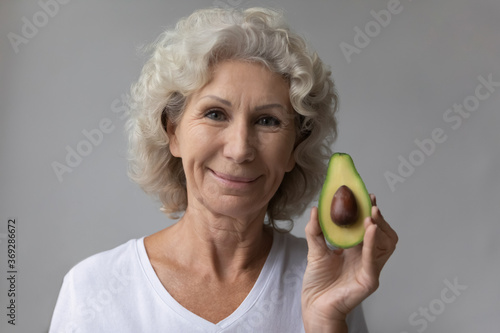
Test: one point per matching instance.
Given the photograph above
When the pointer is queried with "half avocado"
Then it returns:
(344, 203)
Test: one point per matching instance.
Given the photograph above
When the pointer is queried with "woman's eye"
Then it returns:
(215, 115)
(269, 121)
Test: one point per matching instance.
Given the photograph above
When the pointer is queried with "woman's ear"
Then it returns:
(170, 128)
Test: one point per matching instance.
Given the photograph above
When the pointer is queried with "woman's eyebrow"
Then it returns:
(258, 108)
(223, 101)
(270, 106)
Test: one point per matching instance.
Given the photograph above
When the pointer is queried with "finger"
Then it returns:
(369, 252)
(383, 225)
(377, 252)
(380, 221)
(380, 244)
(314, 236)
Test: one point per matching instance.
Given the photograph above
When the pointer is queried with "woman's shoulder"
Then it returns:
(104, 264)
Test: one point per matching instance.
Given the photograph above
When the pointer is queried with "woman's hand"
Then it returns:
(336, 281)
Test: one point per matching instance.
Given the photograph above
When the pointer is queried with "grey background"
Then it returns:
(71, 74)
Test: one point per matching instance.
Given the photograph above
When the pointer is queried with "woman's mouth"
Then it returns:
(233, 180)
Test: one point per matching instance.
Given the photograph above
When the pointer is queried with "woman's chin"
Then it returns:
(241, 208)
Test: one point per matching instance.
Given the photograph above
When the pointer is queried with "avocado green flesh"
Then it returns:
(341, 171)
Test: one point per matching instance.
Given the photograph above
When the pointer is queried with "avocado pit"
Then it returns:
(344, 209)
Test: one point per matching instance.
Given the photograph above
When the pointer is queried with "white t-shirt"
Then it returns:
(118, 291)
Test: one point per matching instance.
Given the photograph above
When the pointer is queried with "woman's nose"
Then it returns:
(240, 144)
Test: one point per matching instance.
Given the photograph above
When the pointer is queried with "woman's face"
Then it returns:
(236, 139)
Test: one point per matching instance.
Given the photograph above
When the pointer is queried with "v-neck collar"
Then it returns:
(248, 302)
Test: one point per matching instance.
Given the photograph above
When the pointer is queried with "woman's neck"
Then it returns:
(219, 246)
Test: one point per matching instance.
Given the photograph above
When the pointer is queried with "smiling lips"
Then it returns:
(233, 180)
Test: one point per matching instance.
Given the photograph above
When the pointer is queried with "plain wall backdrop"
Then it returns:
(419, 85)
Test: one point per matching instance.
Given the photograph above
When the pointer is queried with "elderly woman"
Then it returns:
(231, 124)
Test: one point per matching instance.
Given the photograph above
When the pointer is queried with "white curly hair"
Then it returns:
(181, 63)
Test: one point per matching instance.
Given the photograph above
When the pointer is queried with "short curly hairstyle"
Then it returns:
(182, 62)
